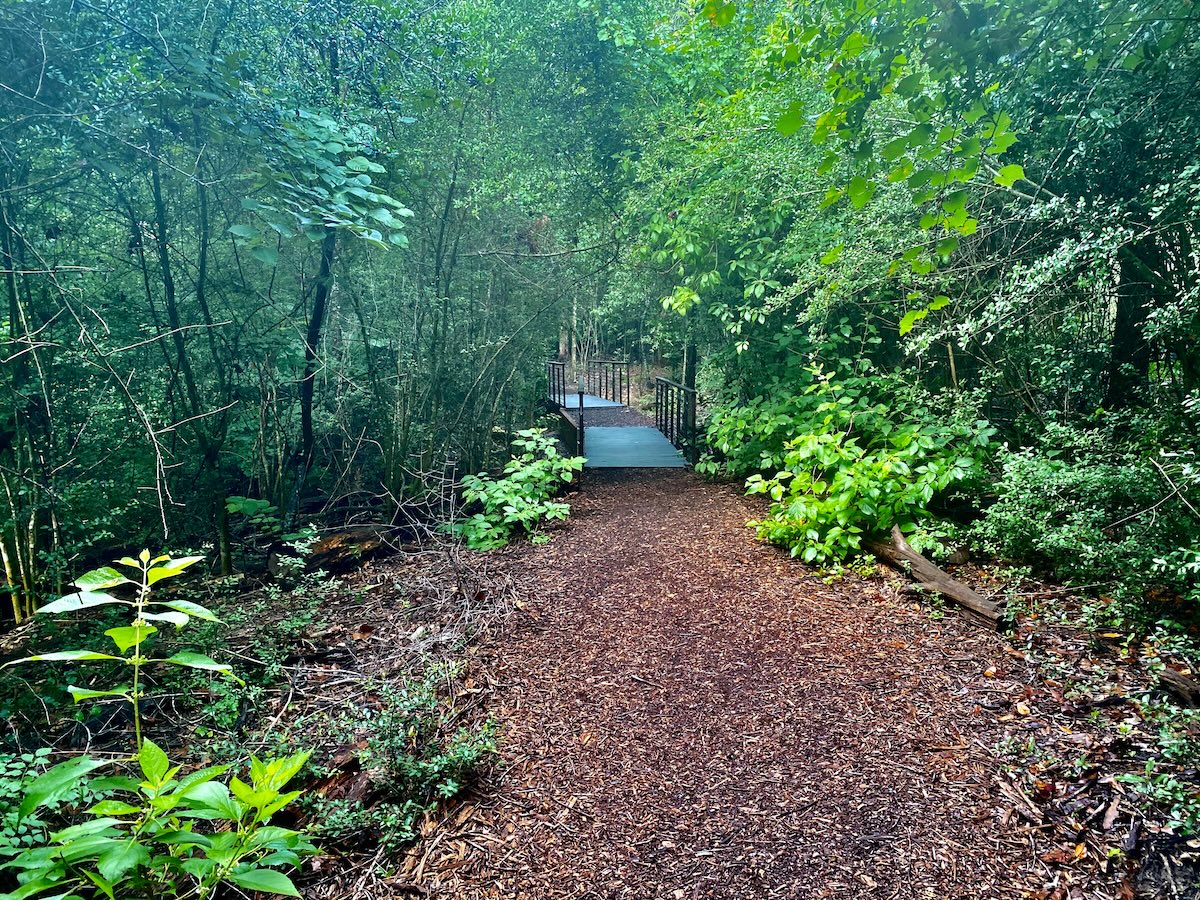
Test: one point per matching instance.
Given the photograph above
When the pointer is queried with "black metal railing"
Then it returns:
(570, 432)
(609, 378)
(675, 415)
(556, 382)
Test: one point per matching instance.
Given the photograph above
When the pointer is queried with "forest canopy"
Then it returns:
(296, 258)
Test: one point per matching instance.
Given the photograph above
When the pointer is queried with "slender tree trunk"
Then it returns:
(312, 341)
(1129, 365)
(174, 322)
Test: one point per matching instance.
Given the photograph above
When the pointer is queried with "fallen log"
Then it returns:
(898, 554)
(1186, 690)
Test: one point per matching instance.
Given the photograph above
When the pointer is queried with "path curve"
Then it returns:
(687, 713)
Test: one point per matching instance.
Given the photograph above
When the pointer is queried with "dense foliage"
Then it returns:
(850, 470)
(976, 222)
(275, 268)
(301, 253)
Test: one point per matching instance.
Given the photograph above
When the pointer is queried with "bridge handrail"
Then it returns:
(556, 382)
(609, 378)
(675, 415)
(674, 384)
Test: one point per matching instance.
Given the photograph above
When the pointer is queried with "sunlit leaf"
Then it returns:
(81, 600)
(1009, 175)
(99, 579)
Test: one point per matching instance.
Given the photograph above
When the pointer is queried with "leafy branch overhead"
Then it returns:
(317, 178)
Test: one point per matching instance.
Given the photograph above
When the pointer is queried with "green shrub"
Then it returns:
(1089, 513)
(142, 839)
(520, 501)
(751, 437)
(847, 467)
(16, 772)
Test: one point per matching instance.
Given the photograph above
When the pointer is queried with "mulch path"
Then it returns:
(612, 417)
(687, 713)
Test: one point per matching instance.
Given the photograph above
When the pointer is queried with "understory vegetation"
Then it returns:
(521, 500)
(276, 272)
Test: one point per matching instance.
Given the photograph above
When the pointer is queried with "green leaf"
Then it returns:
(939, 302)
(177, 619)
(126, 636)
(81, 694)
(101, 830)
(99, 579)
(267, 255)
(62, 656)
(894, 149)
(214, 796)
(791, 120)
(114, 808)
(860, 191)
(909, 85)
(911, 318)
(153, 761)
(265, 880)
(946, 246)
(80, 600)
(854, 44)
(199, 777)
(1009, 175)
(243, 231)
(56, 783)
(198, 867)
(116, 862)
(720, 12)
(832, 255)
(105, 886)
(195, 610)
(172, 568)
(1001, 142)
(200, 661)
(183, 838)
(35, 887)
(112, 783)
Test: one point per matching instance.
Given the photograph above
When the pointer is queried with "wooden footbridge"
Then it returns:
(600, 425)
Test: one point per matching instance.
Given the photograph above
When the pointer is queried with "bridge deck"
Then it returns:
(625, 440)
(626, 447)
(590, 401)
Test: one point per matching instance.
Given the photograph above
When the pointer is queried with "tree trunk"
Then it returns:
(312, 341)
(1129, 365)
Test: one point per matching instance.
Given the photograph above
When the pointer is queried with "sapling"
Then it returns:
(142, 840)
(131, 640)
(520, 501)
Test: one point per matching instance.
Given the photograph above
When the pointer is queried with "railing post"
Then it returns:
(675, 417)
(579, 449)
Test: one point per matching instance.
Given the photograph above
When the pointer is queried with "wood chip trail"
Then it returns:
(686, 713)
